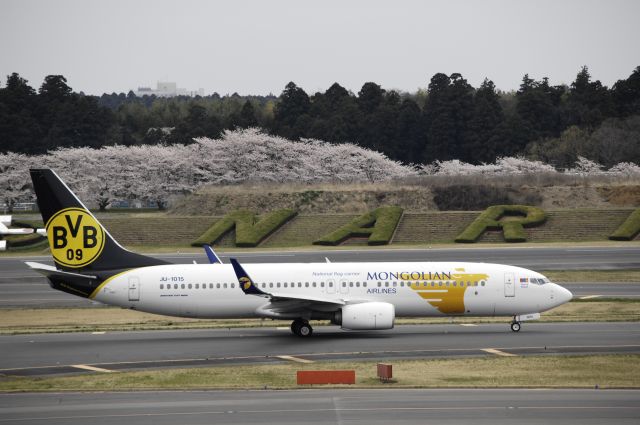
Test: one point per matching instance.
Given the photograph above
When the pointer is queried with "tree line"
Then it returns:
(450, 120)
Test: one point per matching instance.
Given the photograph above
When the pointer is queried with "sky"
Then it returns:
(258, 46)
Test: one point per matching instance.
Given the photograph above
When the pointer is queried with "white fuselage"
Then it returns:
(414, 289)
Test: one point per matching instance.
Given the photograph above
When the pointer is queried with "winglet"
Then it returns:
(213, 257)
(246, 284)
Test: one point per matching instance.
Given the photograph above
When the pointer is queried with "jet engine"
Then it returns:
(366, 316)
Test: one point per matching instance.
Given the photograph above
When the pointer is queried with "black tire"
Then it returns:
(295, 327)
(305, 330)
(515, 326)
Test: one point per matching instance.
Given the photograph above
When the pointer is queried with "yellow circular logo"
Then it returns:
(75, 237)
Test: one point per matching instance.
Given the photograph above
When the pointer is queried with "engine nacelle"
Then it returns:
(366, 316)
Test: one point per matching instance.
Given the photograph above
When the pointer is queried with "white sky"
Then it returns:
(257, 46)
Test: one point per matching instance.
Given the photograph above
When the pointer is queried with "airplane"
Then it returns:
(90, 263)
(5, 220)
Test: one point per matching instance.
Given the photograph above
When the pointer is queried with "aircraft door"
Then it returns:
(509, 285)
(344, 287)
(331, 288)
(134, 288)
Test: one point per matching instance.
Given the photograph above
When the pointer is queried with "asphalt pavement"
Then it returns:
(49, 354)
(330, 406)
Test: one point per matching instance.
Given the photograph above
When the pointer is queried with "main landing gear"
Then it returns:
(301, 327)
(515, 326)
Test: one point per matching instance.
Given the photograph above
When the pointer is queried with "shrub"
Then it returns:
(249, 230)
(378, 225)
(629, 229)
(513, 231)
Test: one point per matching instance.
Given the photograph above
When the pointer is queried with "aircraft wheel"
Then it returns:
(515, 326)
(305, 330)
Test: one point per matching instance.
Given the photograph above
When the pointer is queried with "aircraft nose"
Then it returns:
(563, 294)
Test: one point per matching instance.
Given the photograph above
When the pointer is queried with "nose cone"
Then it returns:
(563, 295)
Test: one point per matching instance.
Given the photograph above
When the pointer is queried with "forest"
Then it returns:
(450, 119)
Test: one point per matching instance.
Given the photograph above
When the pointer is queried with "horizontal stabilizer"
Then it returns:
(51, 271)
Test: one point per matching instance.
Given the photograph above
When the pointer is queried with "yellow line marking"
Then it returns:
(295, 359)
(92, 368)
(588, 297)
(468, 324)
(498, 352)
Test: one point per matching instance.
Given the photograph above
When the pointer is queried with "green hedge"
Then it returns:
(249, 230)
(513, 231)
(378, 225)
(629, 229)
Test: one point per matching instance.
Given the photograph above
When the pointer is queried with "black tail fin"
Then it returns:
(76, 238)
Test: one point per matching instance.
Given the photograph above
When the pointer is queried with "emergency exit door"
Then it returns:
(134, 288)
(509, 285)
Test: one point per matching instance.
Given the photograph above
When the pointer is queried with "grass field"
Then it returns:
(604, 371)
(18, 321)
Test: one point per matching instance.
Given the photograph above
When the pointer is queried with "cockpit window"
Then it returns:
(539, 281)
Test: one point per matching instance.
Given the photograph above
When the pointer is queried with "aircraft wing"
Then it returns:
(281, 304)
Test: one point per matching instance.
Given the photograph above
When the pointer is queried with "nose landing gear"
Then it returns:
(515, 326)
(301, 328)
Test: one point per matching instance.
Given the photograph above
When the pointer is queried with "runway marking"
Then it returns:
(295, 359)
(343, 409)
(498, 352)
(588, 297)
(468, 324)
(282, 328)
(98, 333)
(92, 368)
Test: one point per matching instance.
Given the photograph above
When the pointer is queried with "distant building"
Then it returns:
(167, 89)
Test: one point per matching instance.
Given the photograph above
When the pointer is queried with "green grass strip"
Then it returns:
(603, 371)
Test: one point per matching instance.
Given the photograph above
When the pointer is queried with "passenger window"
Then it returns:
(330, 284)
(351, 284)
(482, 283)
(278, 284)
(161, 286)
(233, 285)
(306, 284)
(322, 284)
(395, 284)
(314, 284)
(364, 284)
(379, 284)
(175, 286)
(189, 286)
(182, 286)
(224, 286)
(217, 286)
(357, 284)
(197, 286)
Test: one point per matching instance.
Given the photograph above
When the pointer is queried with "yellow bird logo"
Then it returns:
(246, 282)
